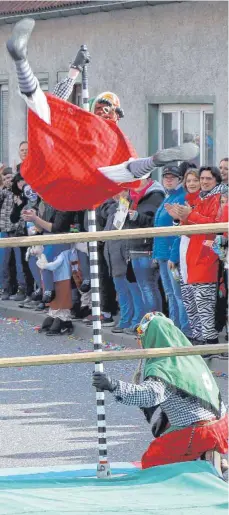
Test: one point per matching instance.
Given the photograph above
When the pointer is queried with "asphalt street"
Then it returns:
(48, 413)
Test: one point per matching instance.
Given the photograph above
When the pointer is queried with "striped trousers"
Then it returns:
(200, 303)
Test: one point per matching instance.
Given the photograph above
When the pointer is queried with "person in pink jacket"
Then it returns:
(202, 262)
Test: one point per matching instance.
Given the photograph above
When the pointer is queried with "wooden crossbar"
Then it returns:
(148, 232)
(93, 357)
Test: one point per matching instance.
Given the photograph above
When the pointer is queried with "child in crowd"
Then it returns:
(58, 320)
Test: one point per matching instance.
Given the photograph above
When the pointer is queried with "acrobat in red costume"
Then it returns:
(76, 159)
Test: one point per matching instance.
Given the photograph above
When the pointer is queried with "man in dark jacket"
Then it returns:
(116, 263)
(137, 288)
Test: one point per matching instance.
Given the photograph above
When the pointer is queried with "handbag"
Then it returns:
(130, 275)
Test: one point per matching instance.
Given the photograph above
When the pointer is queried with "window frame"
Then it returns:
(200, 109)
(154, 104)
(4, 87)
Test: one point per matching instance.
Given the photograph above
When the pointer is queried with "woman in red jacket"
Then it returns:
(220, 247)
(202, 262)
(191, 183)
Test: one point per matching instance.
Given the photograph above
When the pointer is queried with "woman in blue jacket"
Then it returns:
(166, 249)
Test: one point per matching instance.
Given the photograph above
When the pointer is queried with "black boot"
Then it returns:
(78, 313)
(40, 306)
(196, 342)
(75, 311)
(66, 327)
(85, 311)
(37, 294)
(46, 299)
(48, 321)
(17, 43)
(55, 328)
(85, 286)
(48, 296)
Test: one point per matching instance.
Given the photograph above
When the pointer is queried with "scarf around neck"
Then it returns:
(192, 198)
(136, 196)
(219, 188)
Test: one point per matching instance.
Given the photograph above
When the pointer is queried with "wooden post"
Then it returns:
(125, 355)
(148, 232)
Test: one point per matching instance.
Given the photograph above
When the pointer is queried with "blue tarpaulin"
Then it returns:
(179, 489)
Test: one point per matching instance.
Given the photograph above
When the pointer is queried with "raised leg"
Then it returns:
(28, 84)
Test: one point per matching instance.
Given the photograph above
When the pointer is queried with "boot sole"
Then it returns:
(19, 38)
(50, 335)
(64, 331)
(185, 152)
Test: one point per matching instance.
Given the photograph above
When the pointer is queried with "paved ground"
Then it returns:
(48, 414)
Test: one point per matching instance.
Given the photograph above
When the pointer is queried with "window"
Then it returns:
(179, 124)
(76, 96)
(4, 148)
(44, 85)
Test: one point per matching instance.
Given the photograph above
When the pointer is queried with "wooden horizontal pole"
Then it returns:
(93, 357)
(148, 232)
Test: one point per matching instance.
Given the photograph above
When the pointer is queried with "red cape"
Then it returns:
(64, 157)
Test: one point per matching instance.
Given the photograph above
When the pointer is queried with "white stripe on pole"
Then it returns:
(103, 467)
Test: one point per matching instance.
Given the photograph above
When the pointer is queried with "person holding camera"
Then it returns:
(8, 229)
(24, 197)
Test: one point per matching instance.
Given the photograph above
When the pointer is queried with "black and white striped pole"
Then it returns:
(103, 468)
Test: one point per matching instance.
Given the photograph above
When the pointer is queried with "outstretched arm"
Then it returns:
(150, 393)
(63, 89)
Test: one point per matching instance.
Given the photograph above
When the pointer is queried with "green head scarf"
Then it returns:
(189, 374)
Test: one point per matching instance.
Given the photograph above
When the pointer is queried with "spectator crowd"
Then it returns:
(185, 277)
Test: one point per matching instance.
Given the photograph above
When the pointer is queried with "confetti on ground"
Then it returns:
(10, 320)
(219, 374)
(105, 344)
(22, 325)
(14, 320)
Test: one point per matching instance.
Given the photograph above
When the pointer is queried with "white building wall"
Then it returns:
(166, 50)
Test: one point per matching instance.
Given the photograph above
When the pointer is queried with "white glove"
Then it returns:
(42, 262)
(36, 250)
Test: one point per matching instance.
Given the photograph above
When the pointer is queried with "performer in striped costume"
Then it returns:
(92, 160)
